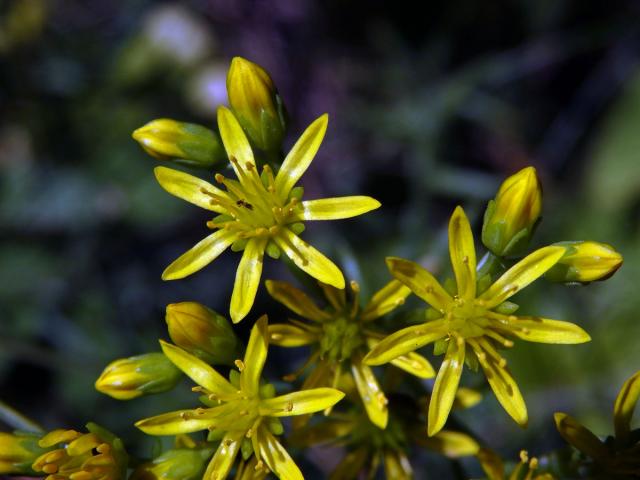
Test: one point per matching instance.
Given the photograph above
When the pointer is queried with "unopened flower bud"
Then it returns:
(585, 262)
(510, 218)
(256, 104)
(18, 451)
(202, 332)
(185, 143)
(182, 463)
(133, 377)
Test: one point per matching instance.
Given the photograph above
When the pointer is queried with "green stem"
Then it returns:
(16, 420)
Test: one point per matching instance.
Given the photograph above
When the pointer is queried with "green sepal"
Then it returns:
(246, 448)
(507, 308)
(239, 245)
(273, 250)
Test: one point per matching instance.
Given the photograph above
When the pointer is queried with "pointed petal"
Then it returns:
(276, 457)
(296, 300)
(247, 278)
(199, 256)
(491, 464)
(463, 254)
(222, 461)
(197, 370)
(188, 188)
(578, 436)
(337, 208)
(300, 156)
(300, 403)
(176, 423)
(444, 390)
(415, 364)
(544, 330)
(351, 465)
(235, 142)
(504, 387)
(255, 356)
(451, 444)
(384, 300)
(309, 259)
(421, 282)
(522, 274)
(396, 465)
(285, 335)
(625, 405)
(405, 341)
(370, 392)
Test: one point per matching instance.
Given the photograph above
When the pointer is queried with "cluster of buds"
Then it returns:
(255, 102)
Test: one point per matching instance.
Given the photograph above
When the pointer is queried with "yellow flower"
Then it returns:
(97, 455)
(186, 143)
(255, 102)
(259, 213)
(202, 332)
(472, 324)
(340, 336)
(510, 218)
(585, 262)
(241, 410)
(493, 466)
(617, 456)
(18, 451)
(133, 377)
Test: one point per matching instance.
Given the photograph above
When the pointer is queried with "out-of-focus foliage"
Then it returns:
(426, 110)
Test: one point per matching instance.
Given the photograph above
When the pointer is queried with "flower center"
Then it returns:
(466, 318)
(341, 337)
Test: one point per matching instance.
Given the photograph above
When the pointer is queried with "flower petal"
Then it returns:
(578, 436)
(491, 464)
(247, 278)
(350, 465)
(200, 255)
(197, 370)
(300, 156)
(404, 341)
(286, 335)
(176, 423)
(421, 282)
(544, 330)
(415, 364)
(235, 142)
(444, 390)
(189, 188)
(384, 300)
(275, 456)
(301, 402)
(503, 385)
(396, 465)
(295, 300)
(370, 392)
(309, 259)
(255, 356)
(337, 208)
(522, 274)
(451, 444)
(222, 461)
(463, 254)
(625, 405)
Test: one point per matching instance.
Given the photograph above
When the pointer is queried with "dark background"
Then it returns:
(432, 104)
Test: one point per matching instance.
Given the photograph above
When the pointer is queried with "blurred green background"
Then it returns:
(428, 109)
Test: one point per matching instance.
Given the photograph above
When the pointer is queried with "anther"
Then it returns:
(289, 407)
(184, 416)
(524, 456)
(249, 433)
(259, 466)
(240, 364)
(219, 178)
(465, 260)
(50, 468)
(533, 463)
(200, 411)
(355, 287)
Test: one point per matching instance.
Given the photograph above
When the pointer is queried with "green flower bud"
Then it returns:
(18, 451)
(585, 262)
(510, 218)
(202, 332)
(256, 104)
(183, 143)
(182, 463)
(133, 377)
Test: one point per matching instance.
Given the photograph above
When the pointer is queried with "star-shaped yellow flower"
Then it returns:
(259, 212)
(340, 335)
(472, 324)
(240, 410)
(618, 455)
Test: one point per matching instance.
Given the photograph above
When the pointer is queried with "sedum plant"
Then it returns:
(369, 388)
